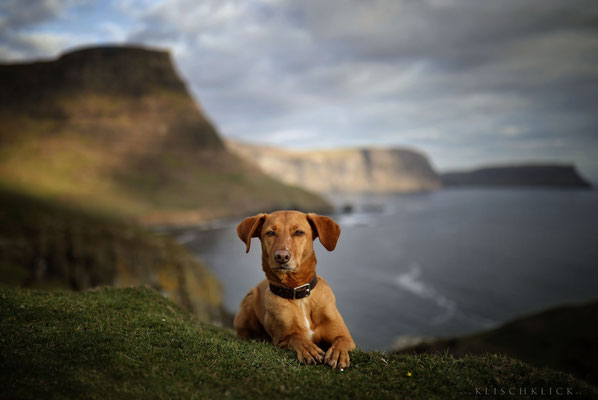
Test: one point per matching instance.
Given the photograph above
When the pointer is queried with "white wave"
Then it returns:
(355, 220)
(410, 281)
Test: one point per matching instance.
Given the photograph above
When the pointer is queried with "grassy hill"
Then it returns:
(564, 338)
(115, 129)
(133, 343)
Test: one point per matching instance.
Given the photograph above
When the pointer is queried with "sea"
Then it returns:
(437, 264)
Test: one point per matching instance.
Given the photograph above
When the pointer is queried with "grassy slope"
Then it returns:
(175, 186)
(565, 338)
(132, 343)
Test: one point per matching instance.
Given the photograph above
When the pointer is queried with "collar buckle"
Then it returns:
(299, 288)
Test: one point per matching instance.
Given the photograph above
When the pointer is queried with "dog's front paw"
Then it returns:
(308, 352)
(337, 355)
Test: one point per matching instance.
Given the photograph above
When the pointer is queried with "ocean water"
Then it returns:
(445, 263)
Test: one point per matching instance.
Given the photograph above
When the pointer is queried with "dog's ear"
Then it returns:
(250, 228)
(326, 229)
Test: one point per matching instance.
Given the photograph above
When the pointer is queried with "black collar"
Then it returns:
(295, 293)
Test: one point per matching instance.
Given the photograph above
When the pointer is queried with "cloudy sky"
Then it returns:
(468, 82)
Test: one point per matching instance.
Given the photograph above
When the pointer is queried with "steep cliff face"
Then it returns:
(121, 96)
(346, 171)
(46, 245)
(115, 129)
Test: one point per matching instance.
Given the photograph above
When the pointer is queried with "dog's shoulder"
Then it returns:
(323, 290)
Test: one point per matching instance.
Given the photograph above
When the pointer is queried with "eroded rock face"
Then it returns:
(46, 245)
(349, 170)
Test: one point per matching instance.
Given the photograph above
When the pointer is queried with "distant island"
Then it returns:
(549, 175)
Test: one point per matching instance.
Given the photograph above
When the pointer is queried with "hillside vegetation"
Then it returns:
(564, 338)
(115, 129)
(133, 343)
(46, 245)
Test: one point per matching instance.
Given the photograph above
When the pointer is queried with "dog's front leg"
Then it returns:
(337, 355)
(285, 334)
(307, 351)
(335, 332)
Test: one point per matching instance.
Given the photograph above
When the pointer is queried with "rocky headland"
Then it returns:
(359, 170)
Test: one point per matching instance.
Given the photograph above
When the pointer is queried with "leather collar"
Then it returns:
(298, 292)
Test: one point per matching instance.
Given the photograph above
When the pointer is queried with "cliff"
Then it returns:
(115, 129)
(565, 176)
(45, 245)
(97, 91)
(369, 170)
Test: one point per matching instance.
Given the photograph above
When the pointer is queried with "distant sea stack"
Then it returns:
(360, 170)
(564, 176)
(115, 129)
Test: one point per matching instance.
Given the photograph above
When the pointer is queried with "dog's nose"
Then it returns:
(282, 256)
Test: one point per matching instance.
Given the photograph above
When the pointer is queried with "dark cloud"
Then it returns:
(16, 15)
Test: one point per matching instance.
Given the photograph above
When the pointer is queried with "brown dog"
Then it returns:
(292, 307)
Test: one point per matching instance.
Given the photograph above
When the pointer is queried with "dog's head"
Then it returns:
(287, 240)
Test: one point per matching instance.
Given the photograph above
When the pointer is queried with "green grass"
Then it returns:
(564, 338)
(133, 343)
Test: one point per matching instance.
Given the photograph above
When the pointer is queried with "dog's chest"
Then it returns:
(304, 317)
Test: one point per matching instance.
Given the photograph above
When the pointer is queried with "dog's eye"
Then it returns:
(299, 233)
(270, 233)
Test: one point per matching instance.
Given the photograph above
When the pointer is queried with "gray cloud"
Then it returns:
(16, 17)
(468, 82)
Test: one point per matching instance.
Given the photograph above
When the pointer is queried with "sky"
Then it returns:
(467, 82)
